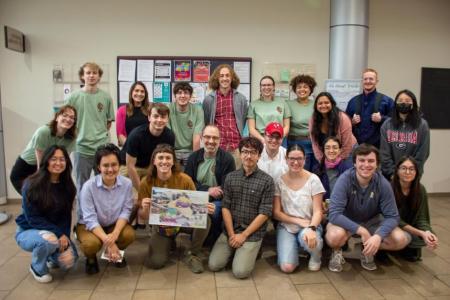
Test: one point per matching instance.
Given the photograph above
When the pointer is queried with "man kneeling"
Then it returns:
(363, 203)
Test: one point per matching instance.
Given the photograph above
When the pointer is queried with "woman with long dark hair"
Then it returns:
(43, 228)
(297, 204)
(406, 133)
(164, 171)
(332, 165)
(59, 131)
(412, 202)
(328, 120)
(134, 113)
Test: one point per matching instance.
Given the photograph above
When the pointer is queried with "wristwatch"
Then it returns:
(313, 228)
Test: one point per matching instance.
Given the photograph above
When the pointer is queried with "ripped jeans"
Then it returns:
(44, 246)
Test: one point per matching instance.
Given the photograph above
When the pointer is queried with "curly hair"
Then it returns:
(306, 79)
(214, 79)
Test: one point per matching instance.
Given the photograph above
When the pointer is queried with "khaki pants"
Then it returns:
(90, 244)
(160, 245)
(142, 172)
(244, 257)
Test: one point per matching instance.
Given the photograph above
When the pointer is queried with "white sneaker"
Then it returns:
(41, 278)
(336, 261)
(313, 265)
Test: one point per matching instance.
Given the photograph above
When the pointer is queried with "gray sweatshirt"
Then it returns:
(395, 143)
(351, 205)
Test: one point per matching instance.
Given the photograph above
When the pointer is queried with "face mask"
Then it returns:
(404, 108)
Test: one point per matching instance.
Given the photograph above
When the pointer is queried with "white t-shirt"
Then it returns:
(274, 167)
(298, 203)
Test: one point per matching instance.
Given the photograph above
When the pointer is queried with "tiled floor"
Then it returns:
(429, 279)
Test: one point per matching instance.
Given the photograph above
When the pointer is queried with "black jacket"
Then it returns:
(224, 165)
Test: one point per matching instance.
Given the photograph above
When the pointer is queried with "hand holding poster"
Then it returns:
(180, 208)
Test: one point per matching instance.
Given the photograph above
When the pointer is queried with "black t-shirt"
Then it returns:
(138, 118)
(141, 143)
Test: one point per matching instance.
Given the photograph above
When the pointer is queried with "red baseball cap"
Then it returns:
(274, 127)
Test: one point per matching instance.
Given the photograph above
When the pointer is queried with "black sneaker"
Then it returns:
(92, 266)
(121, 264)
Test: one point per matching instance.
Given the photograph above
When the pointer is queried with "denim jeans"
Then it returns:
(288, 245)
(44, 246)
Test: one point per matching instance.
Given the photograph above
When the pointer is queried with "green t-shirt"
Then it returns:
(93, 113)
(301, 113)
(185, 125)
(264, 112)
(206, 172)
(41, 140)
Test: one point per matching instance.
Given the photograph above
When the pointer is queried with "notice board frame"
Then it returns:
(214, 62)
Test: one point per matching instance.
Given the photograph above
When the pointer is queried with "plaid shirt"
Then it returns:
(246, 197)
(226, 121)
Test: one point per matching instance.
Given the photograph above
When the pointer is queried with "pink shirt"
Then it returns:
(344, 134)
(121, 117)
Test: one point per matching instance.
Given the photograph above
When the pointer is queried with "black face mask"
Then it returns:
(404, 108)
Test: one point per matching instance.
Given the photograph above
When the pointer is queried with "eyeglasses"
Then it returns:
(296, 159)
(405, 169)
(68, 116)
(249, 152)
(210, 137)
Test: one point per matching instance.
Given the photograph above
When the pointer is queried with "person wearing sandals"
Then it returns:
(43, 227)
(363, 203)
(412, 203)
(106, 202)
(297, 205)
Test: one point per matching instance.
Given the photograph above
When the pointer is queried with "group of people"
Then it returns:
(325, 186)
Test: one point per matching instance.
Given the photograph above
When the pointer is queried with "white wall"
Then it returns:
(289, 31)
(406, 35)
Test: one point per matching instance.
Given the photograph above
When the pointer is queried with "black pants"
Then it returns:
(20, 171)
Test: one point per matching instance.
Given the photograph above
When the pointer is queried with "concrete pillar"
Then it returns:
(349, 31)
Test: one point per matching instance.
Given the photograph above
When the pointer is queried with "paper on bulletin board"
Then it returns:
(161, 92)
(245, 90)
(199, 92)
(163, 70)
(145, 70)
(200, 70)
(149, 86)
(182, 70)
(242, 70)
(343, 90)
(127, 70)
(124, 91)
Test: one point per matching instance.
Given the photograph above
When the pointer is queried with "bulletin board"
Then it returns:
(161, 73)
(435, 97)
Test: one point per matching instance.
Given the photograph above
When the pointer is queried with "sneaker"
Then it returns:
(121, 264)
(52, 265)
(368, 263)
(193, 262)
(336, 261)
(92, 266)
(41, 278)
(313, 265)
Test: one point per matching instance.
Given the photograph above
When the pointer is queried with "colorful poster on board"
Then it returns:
(199, 92)
(182, 70)
(181, 208)
(161, 92)
(201, 70)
